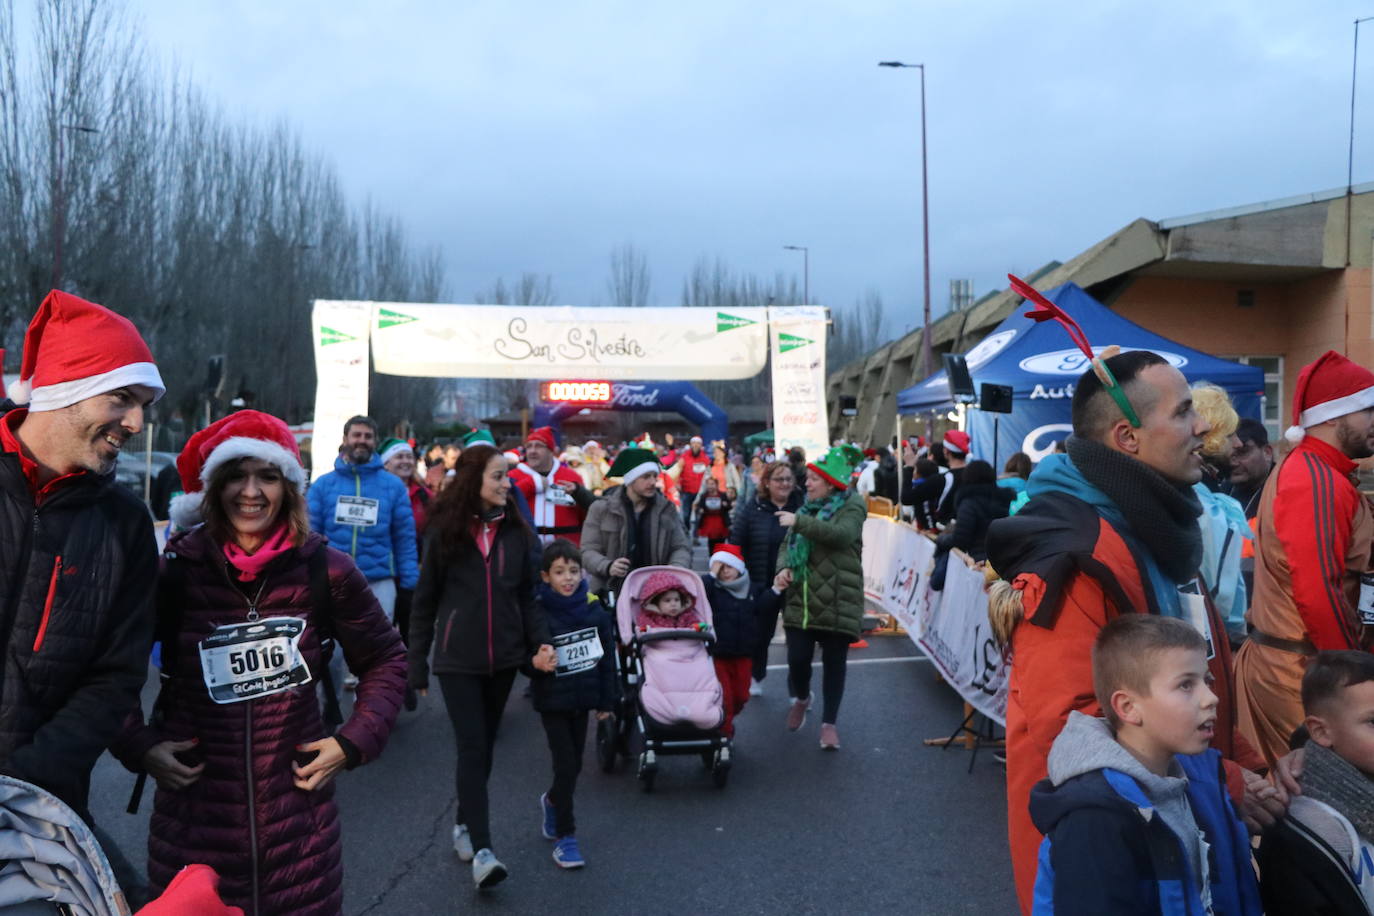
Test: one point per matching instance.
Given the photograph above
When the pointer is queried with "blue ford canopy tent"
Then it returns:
(1041, 365)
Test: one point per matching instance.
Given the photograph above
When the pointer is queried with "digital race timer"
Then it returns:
(580, 392)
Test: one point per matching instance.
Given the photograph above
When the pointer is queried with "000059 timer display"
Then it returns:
(576, 391)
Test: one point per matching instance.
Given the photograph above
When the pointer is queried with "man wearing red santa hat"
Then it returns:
(556, 493)
(78, 555)
(1313, 588)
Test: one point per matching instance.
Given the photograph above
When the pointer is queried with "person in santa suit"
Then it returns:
(557, 496)
(693, 467)
(1313, 585)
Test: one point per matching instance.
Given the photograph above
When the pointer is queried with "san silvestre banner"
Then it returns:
(563, 342)
(799, 409)
(560, 342)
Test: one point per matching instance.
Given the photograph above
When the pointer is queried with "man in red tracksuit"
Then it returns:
(556, 494)
(693, 464)
(1313, 551)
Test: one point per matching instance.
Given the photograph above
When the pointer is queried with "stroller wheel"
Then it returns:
(720, 767)
(648, 769)
(708, 759)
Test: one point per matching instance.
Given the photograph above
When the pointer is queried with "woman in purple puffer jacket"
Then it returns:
(238, 747)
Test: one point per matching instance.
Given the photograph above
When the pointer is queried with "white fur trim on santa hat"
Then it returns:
(184, 510)
(65, 394)
(1330, 410)
(1295, 434)
(236, 447)
(729, 559)
(395, 450)
(639, 470)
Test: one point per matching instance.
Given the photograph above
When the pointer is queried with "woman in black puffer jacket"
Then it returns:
(979, 502)
(474, 605)
(757, 533)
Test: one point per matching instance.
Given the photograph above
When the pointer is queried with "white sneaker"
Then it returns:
(755, 688)
(487, 871)
(462, 842)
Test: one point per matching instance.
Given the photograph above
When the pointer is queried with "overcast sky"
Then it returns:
(538, 136)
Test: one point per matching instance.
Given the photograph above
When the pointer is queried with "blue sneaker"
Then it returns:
(566, 853)
(550, 826)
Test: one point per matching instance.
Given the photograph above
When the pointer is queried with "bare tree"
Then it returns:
(628, 284)
(123, 182)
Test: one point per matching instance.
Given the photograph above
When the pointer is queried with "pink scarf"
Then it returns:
(249, 565)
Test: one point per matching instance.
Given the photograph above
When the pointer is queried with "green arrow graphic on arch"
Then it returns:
(727, 322)
(330, 336)
(386, 318)
(788, 342)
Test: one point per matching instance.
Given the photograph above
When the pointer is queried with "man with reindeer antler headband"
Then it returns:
(1111, 528)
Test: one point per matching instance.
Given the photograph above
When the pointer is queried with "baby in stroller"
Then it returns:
(680, 686)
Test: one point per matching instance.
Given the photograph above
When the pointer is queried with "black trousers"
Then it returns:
(475, 703)
(801, 649)
(768, 622)
(567, 734)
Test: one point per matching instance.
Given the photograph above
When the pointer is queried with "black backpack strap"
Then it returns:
(322, 617)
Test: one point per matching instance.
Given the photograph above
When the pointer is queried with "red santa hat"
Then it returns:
(730, 555)
(246, 434)
(545, 435)
(76, 349)
(1331, 387)
(957, 441)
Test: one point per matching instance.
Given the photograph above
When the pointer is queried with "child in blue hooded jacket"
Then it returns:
(1135, 812)
(583, 636)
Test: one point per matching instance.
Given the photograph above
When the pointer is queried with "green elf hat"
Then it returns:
(838, 465)
(393, 447)
(477, 437)
(633, 463)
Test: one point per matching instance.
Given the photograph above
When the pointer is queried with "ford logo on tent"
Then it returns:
(1073, 362)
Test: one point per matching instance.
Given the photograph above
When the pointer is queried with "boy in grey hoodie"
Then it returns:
(1117, 810)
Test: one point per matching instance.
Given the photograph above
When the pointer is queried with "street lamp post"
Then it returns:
(806, 270)
(1350, 158)
(59, 202)
(926, 352)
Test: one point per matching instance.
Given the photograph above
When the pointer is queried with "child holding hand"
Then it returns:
(737, 606)
(583, 680)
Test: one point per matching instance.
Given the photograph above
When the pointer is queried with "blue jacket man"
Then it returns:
(365, 511)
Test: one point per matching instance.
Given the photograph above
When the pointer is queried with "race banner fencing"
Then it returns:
(341, 332)
(951, 626)
(799, 408)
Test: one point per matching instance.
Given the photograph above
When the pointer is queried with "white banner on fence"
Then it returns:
(958, 639)
(950, 627)
(799, 410)
(341, 330)
(512, 341)
(896, 564)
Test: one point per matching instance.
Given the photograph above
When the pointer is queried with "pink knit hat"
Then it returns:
(661, 582)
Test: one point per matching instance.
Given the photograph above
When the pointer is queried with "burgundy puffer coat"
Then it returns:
(277, 847)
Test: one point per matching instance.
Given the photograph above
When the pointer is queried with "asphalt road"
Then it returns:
(885, 824)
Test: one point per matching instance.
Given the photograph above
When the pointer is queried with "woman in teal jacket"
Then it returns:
(821, 567)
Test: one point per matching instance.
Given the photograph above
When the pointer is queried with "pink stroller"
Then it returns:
(671, 681)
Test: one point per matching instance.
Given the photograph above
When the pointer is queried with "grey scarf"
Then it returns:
(1162, 514)
(1330, 779)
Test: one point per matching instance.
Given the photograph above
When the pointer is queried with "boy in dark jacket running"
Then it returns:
(737, 606)
(584, 680)
(1135, 812)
